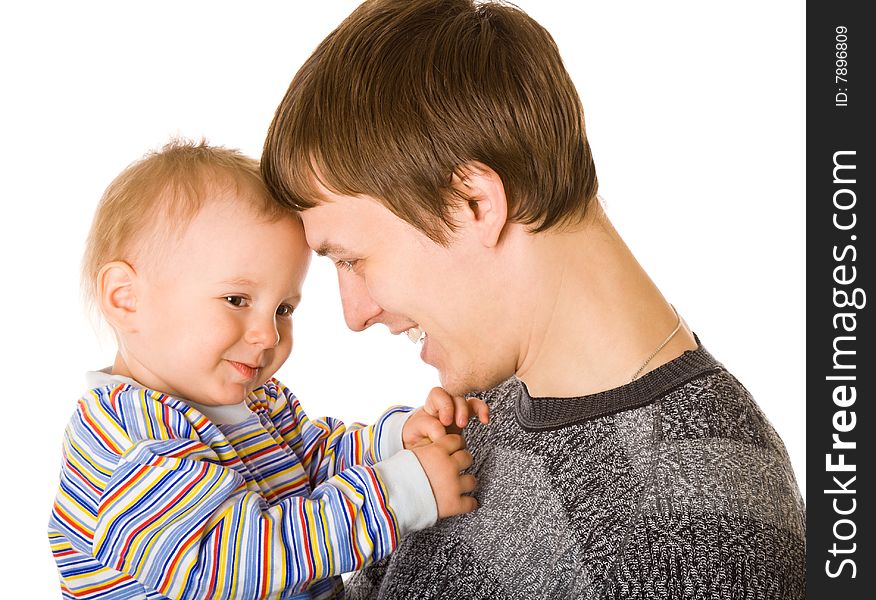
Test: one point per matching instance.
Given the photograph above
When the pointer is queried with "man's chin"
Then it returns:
(468, 384)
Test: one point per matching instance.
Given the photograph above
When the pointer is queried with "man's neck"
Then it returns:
(599, 316)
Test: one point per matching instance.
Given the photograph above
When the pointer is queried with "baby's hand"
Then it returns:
(455, 411)
(441, 414)
(443, 460)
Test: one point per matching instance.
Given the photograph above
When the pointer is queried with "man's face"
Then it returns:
(390, 273)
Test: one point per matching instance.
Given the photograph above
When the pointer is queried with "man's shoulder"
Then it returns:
(735, 533)
(714, 405)
(717, 462)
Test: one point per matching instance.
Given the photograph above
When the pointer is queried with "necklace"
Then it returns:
(661, 346)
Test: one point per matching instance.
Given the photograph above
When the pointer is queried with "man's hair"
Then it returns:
(404, 93)
(155, 198)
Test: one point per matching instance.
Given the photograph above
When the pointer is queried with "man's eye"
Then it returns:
(346, 264)
(236, 301)
(285, 310)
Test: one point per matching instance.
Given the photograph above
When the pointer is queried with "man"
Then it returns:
(437, 152)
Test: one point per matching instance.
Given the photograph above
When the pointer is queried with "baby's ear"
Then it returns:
(118, 300)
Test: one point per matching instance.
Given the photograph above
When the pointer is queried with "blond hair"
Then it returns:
(153, 200)
(404, 93)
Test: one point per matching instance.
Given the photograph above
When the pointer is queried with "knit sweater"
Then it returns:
(672, 486)
(158, 501)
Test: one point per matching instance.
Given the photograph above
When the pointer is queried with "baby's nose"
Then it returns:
(263, 332)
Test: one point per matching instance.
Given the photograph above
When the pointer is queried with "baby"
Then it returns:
(189, 472)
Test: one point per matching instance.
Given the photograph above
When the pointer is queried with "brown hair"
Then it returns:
(155, 198)
(404, 93)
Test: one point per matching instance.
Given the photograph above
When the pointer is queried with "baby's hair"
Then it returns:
(155, 198)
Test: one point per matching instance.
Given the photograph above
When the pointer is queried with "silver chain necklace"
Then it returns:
(660, 347)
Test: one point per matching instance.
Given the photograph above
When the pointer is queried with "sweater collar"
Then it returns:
(539, 414)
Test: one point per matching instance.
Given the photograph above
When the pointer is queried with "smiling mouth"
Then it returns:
(248, 371)
(415, 334)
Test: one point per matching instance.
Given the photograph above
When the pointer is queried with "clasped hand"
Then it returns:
(433, 434)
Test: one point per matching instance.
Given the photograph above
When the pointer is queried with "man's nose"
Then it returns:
(262, 331)
(360, 309)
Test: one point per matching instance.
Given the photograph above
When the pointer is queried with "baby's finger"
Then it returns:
(462, 458)
(433, 429)
(467, 484)
(467, 504)
(479, 408)
(452, 442)
(440, 404)
(462, 413)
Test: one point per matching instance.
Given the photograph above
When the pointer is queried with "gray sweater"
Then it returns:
(672, 486)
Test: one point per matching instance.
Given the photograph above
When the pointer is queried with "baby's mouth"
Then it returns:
(247, 370)
(415, 334)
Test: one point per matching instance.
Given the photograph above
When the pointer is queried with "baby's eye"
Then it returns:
(236, 301)
(285, 310)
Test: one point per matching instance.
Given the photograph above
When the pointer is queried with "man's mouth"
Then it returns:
(415, 334)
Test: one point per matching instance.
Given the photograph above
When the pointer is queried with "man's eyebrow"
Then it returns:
(327, 248)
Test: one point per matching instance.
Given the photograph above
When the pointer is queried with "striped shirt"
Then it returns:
(157, 501)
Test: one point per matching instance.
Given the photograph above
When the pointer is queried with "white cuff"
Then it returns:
(390, 441)
(408, 490)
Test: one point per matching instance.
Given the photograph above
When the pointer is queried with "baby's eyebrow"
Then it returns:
(239, 282)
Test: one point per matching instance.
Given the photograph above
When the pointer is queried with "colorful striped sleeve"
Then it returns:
(156, 499)
(327, 446)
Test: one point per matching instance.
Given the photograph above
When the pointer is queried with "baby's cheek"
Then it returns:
(284, 348)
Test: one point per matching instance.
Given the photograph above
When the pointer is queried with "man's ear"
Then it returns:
(486, 209)
(118, 300)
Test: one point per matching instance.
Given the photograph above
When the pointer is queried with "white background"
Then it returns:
(695, 114)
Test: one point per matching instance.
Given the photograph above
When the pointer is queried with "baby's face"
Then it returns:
(215, 311)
